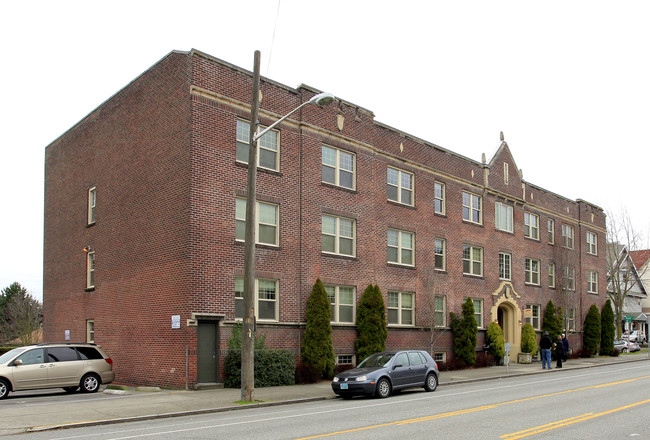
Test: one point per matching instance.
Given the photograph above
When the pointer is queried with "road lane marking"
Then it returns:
(566, 422)
(491, 406)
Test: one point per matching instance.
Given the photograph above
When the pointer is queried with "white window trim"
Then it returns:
(570, 278)
(473, 198)
(92, 204)
(509, 266)
(536, 315)
(568, 235)
(592, 281)
(257, 299)
(400, 247)
(550, 228)
(442, 198)
(443, 311)
(401, 308)
(592, 246)
(90, 331)
(339, 356)
(400, 187)
(478, 314)
(258, 223)
(337, 167)
(260, 146)
(531, 273)
(551, 273)
(443, 255)
(472, 261)
(90, 270)
(337, 236)
(531, 231)
(337, 303)
(501, 209)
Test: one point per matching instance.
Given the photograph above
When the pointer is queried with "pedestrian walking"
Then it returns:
(565, 346)
(559, 351)
(545, 344)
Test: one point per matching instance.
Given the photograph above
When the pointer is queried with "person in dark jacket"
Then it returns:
(565, 346)
(545, 344)
(559, 351)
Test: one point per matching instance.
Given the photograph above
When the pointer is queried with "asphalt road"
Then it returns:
(598, 403)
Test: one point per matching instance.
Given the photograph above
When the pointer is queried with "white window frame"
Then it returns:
(592, 243)
(90, 269)
(550, 227)
(338, 236)
(472, 208)
(531, 226)
(506, 173)
(92, 204)
(503, 217)
(569, 278)
(570, 320)
(568, 234)
(505, 266)
(478, 311)
(400, 247)
(532, 271)
(440, 254)
(240, 222)
(551, 275)
(264, 144)
(345, 359)
(440, 313)
(239, 295)
(592, 281)
(471, 260)
(400, 308)
(338, 166)
(439, 204)
(90, 331)
(400, 186)
(334, 293)
(535, 318)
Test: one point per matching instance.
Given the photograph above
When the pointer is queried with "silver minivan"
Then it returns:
(68, 366)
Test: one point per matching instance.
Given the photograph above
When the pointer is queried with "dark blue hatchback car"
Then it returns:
(382, 373)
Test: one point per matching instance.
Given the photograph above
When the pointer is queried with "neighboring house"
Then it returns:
(144, 219)
(641, 261)
(624, 279)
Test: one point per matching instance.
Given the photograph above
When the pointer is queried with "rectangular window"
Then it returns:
(570, 320)
(338, 235)
(90, 330)
(531, 226)
(533, 315)
(472, 260)
(92, 203)
(505, 261)
(592, 281)
(90, 270)
(401, 247)
(569, 278)
(532, 271)
(551, 275)
(592, 243)
(268, 147)
(266, 222)
(400, 186)
(400, 308)
(345, 359)
(440, 251)
(338, 167)
(551, 231)
(266, 299)
(342, 299)
(503, 217)
(567, 236)
(440, 311)
(478, 312)
(472, 211)
(506, 173)
(439, 198)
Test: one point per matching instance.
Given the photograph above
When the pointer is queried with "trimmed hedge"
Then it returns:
(272, 368)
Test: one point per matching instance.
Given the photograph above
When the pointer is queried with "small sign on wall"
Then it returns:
(176, 321)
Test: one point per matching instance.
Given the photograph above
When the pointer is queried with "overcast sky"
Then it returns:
(568, 82)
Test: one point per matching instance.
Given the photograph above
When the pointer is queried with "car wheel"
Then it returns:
(624, 350)
(383, 388)
(431, 383)
(90, 383)
(70, 389)
(4, 388)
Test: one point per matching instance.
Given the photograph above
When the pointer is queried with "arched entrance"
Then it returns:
(507, 313)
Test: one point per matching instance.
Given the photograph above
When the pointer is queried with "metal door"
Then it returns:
(207, 365)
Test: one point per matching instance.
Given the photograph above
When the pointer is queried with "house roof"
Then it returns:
(639, 258)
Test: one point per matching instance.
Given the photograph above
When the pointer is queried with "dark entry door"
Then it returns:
(207, 352)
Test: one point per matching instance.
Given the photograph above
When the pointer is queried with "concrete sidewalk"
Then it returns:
(145, 403)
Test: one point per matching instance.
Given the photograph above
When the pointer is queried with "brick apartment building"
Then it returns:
(144, 220)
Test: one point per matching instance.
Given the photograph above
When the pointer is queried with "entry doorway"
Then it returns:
(207, 360)
(507, 319)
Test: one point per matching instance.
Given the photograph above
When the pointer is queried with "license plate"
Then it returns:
(344, 386)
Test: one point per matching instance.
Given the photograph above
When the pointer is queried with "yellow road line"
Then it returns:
(495, 405)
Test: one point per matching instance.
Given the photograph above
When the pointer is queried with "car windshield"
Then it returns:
(376, 360)
(10, 354)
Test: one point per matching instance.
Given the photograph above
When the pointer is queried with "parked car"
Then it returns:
(68, 366)
(633, 346)
(624, 346)
(635, 336)
(382, 373)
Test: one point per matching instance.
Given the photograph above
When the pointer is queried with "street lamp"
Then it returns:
(248, 325)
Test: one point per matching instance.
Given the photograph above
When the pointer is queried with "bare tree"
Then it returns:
(623, 279)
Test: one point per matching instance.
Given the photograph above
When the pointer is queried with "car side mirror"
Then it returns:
(18, 362)
(397, 365)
